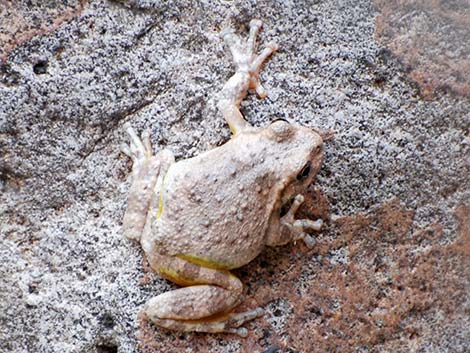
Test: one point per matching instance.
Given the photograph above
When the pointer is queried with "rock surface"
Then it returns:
(431, 39)
(389, 272)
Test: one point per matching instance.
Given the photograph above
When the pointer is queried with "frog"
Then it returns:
(197, 219)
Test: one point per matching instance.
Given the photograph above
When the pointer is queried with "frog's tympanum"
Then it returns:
(199, 218)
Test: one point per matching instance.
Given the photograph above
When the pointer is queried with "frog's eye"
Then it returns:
(304, 173)
(281, 130)
(280, 119)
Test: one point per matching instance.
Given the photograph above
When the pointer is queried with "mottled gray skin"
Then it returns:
(199, 217)
(224, 205)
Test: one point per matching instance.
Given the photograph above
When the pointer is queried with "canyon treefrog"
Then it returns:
(201, 217)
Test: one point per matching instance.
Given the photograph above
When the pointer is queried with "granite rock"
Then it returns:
(390, 270)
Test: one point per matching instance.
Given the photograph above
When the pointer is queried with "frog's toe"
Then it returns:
(289, 216)
(138, 148)
(270, 48)
(241, 331)
(255, 27)
(237, 319)
(257, 63)
(256, 24)
(229, 36)
(301, 225)
(309, 224)
(146, 142)
(308, 240)
(260, 90)
(125, 149)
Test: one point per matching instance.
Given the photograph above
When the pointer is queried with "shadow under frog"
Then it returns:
(201, 217)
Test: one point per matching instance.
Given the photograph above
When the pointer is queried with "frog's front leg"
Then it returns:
(202, 306)
(148, 171)
(292, 229)
(246, 76)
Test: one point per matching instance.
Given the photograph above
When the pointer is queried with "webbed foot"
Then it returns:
(139, 149)
(298, 226)
(244, 54)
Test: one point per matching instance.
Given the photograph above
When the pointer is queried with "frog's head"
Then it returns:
(298, 155)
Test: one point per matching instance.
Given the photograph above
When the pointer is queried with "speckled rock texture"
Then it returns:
(431, 39)
(390, 271)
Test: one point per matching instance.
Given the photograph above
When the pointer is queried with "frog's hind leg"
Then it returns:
(246, 76)
(147, 171)
(202, 306)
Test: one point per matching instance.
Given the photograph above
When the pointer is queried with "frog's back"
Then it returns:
(216, 206)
